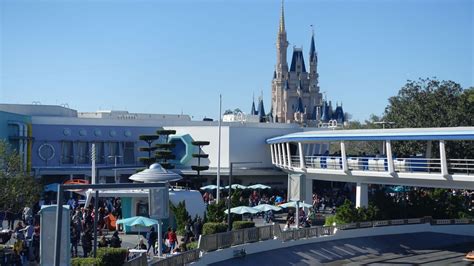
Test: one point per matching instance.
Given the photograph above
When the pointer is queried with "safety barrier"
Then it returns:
(179, 259)
(237, 237)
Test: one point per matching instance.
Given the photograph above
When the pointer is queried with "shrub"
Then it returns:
(86, 262)
(330, 220)
(111, 256)
(213, 228)
(192, 245)
(181, 215)
(242, 224)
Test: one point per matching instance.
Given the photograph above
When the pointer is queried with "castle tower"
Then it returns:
(295, 91)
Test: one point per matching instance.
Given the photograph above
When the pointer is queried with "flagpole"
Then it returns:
(219, 152)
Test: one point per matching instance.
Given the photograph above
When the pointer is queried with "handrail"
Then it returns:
(429, 165)
(217, 241)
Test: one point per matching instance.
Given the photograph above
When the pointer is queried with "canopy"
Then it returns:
(235, 186)
(293, 204)
(155, 173)
(242, 210)
(209, 187)
(137, 221)
(267, 207)
(259, 186)
(51, 187)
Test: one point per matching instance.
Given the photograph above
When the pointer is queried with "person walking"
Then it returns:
(87, 242)
(151, 237)
(172, 239)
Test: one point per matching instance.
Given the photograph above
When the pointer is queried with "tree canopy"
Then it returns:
(17, 188)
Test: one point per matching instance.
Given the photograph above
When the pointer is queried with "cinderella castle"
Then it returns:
(296, 97)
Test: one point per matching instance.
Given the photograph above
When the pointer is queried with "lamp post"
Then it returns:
(230, 187)
(115, 165)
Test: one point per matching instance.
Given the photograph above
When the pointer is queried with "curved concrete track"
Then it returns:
(403, 249)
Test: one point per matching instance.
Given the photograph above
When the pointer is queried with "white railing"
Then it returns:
(380, 164)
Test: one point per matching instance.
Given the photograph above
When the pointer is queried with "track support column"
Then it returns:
(362, 195)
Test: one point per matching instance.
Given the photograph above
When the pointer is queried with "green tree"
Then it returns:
(17, 188)
(432, 103)
(215, 212)
(181, 214)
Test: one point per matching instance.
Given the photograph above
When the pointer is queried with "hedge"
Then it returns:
(86, 262)
(105, 257)
(242, 224)
(112, 256)
(213, 228)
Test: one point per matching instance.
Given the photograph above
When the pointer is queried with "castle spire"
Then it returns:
(312, 49)
(282, 18)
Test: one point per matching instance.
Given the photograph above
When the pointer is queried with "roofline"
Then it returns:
(452, 133)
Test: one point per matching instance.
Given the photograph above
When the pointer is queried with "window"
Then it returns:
(67, 155)
(129, 153)
(82, 152)
(114, 150)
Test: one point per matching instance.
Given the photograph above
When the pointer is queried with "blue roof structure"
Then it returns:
(312, 50)
(253, 111)
(261, 109)
(448, 133)
(297, 57)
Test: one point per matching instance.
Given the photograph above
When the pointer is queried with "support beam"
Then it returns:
(345, 168)
(308, 191)
(362, 195)
(442, 157)
(288, 152)
(300, 149)
(284, 154)
(272, 154)
(277, 146)
(390, 165)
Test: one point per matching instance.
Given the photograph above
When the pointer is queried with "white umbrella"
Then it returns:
(210, 187)
(267, 207)
(235, 186)
(259, 186)
(293, 204)
(242, 210)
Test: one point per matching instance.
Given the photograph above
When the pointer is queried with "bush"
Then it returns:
(192, 245)
(86, 262)
(330, 220)
(242, 224)
(213, 228)
(111, 256)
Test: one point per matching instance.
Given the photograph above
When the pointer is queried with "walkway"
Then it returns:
(417, 248)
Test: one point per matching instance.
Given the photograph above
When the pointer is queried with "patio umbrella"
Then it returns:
(242, 210)
(138, 221)
(235, 186)
(209, 187)
(267, 207)
(259, 186)
(293, 204)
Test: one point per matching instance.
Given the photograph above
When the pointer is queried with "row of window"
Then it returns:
(79, 152)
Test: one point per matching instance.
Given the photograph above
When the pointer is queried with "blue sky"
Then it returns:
(177, 56)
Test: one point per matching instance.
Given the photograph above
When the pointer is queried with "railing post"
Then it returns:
(391, 168)
(344, 157)
(300, 149)
(288, 154)
(277, 146)
(271, 153)
(442, 157)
